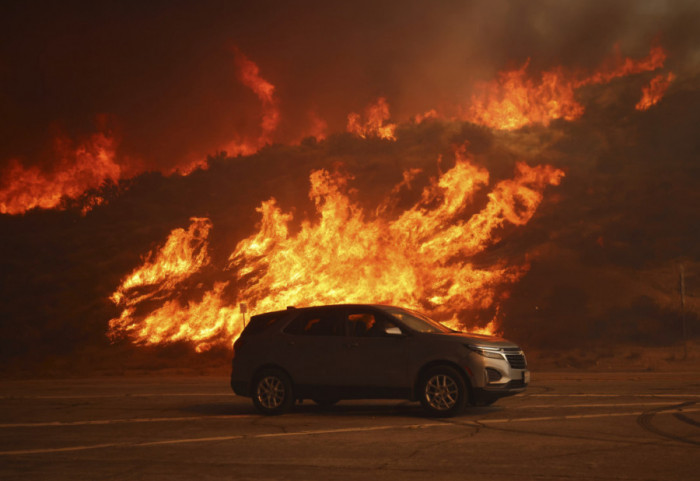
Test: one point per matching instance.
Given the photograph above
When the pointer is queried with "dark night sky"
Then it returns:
(163, 72)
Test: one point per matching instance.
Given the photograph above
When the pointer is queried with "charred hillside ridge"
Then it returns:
(603, 248)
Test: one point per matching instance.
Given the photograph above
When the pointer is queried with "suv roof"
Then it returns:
(260, 322)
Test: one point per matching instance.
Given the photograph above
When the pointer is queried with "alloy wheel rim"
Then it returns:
(441, 392)
(271, 392)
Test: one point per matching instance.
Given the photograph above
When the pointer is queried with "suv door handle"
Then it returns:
(351, 344)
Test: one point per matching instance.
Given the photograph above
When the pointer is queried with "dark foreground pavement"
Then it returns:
(640, 426)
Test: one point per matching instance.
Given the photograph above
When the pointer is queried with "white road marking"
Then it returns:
(123, 421)
(123, 395)
(100, 422)
(585, 416)
(217, 438)
(598, 405)
(613, 395)
(227, 394)
(336, 431)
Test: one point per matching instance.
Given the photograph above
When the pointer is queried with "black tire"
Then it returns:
(273, 392)
(443, 392)
(326, 402)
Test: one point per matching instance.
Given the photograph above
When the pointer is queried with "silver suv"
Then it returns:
(358, 351)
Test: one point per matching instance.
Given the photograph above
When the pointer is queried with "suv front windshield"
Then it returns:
(415, 321)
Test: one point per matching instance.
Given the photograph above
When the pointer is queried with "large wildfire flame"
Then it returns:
(78, 169)
(95, 161)
(515, 100)
(420, 258)
(249, 75)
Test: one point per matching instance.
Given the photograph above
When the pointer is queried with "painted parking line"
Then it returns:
(100, 422)
(585, 416)
(614, 395)
(670, 410)
(231, 395)
(123, 421)
(217, 438)
(122, 395)
(595, 405)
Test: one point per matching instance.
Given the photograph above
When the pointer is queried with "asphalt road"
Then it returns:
(632, 426)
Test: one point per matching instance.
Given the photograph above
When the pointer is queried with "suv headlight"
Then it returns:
(490, 352)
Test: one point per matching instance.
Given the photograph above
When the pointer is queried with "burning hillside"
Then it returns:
(420, 258)
(542, 188)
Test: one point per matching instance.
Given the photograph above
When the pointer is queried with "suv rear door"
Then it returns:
(311, 346)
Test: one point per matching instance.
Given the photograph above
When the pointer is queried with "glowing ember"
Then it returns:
(374, 126)
(420, 258)
(514, 100)
(76, 171)
(654, 92)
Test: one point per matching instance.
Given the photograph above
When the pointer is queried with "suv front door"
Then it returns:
(375, 354)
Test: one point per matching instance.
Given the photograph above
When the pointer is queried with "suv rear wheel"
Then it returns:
(443, 392)
(273, 392)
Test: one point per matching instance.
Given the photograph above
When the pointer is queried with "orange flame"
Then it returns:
(430, 114)
(514, 100)
(419, 259)
(184, 252)
(77, 170)
(249, 75)
(654, 92)
(318, 128)
(374, 126)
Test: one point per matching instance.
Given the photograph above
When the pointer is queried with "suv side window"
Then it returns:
(316, 323)
(262, 321)
(368, 324)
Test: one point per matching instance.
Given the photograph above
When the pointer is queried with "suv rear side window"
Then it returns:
(316, 323)
(262, 321)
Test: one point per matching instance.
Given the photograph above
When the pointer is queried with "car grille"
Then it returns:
(516, 361)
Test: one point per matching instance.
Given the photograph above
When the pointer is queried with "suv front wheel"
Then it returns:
(443, 392)
(273, 392)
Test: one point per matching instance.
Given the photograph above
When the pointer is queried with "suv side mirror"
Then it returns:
(393, 331)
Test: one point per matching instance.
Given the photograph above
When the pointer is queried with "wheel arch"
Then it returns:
(438, 363)
(270, 365)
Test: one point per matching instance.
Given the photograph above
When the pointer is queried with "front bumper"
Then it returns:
(506, 374)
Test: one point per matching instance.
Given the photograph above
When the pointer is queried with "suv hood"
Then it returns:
(477, 339)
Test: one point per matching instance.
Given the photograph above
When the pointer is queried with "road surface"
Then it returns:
(593, 426)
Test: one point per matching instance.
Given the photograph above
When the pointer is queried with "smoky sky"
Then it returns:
(161, 74)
